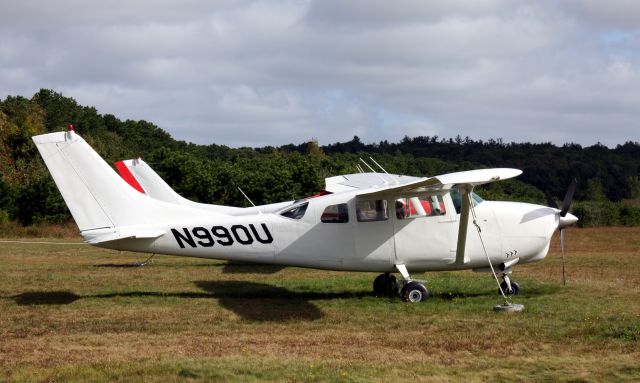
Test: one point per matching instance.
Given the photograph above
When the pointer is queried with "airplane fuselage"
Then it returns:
(510, 231)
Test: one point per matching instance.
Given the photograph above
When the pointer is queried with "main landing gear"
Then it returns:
(414, 291)
(509, 287)
(386, 285)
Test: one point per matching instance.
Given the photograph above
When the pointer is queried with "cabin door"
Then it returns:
(425, 231)
(373, 234)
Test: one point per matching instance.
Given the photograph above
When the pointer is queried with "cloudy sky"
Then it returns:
(274, 72)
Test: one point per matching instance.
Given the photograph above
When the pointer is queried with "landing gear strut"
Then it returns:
(386, 285)
(508, 287)
(412, 291)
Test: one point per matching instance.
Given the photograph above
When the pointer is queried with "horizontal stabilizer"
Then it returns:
(106, 235)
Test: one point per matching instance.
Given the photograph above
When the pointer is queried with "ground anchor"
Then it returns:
(508, 307)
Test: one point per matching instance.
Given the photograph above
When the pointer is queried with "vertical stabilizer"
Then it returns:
(68, 167)
(96, 196)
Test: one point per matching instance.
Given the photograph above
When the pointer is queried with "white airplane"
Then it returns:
(398, 224)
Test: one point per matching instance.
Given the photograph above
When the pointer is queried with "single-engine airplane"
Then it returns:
(372, 222)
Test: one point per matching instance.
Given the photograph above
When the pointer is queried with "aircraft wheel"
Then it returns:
(385, 285)
(515, 288)
(414, 292)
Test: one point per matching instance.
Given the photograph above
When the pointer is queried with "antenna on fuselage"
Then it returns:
(245, 196)
(376, 173)
(387, 173)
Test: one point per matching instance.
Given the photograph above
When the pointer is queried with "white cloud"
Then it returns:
(274, 72)
(612, 13)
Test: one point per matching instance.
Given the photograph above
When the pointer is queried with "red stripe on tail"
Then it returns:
(126, 175)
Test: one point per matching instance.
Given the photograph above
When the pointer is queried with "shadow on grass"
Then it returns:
(528, 290)
(261, 302)
(448, 296)
(250, 268)
(119, 265)
(249, 300)
(45, 298)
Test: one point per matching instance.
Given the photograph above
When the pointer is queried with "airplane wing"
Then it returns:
(350, 182)
(445, 181)
(464, 181)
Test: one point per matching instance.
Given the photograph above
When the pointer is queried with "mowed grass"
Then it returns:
(78, 313)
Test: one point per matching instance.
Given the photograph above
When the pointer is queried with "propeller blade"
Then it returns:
(551, 202)
(566, 203)
(564, 281)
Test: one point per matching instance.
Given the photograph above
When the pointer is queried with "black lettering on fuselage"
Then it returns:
(222, 232)
(202, 233)
(269, 238)
(247, 240)
(186, 237)
(225, 237)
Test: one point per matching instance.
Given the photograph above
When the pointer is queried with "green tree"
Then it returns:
(595, 190)
(634, 186)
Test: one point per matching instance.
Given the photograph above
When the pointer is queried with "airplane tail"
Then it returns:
(99, 200)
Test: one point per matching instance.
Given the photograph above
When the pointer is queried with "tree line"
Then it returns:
(608, 177)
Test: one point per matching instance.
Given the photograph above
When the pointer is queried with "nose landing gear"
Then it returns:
(509, 287)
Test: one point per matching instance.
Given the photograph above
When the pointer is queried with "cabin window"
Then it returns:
(457, 199)
(335, 214)
(420, 206)
(372, 210)
(295, 212)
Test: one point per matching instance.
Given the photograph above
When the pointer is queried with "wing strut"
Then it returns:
(465, 196)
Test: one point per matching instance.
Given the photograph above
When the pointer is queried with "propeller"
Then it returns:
(566, 203)
(564, 280)
(564, 221)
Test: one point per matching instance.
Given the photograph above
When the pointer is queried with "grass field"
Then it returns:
(78, 313)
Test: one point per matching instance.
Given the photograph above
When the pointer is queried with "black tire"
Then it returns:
(378, 285)
(515, 288)
(414, 292)
(385, 285)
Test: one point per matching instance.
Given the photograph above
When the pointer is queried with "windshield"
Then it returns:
(457, 200)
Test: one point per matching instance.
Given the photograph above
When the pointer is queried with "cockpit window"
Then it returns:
(335, 214)
(457, 199)
(296, 212)
(476, 199)
(372, 210)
